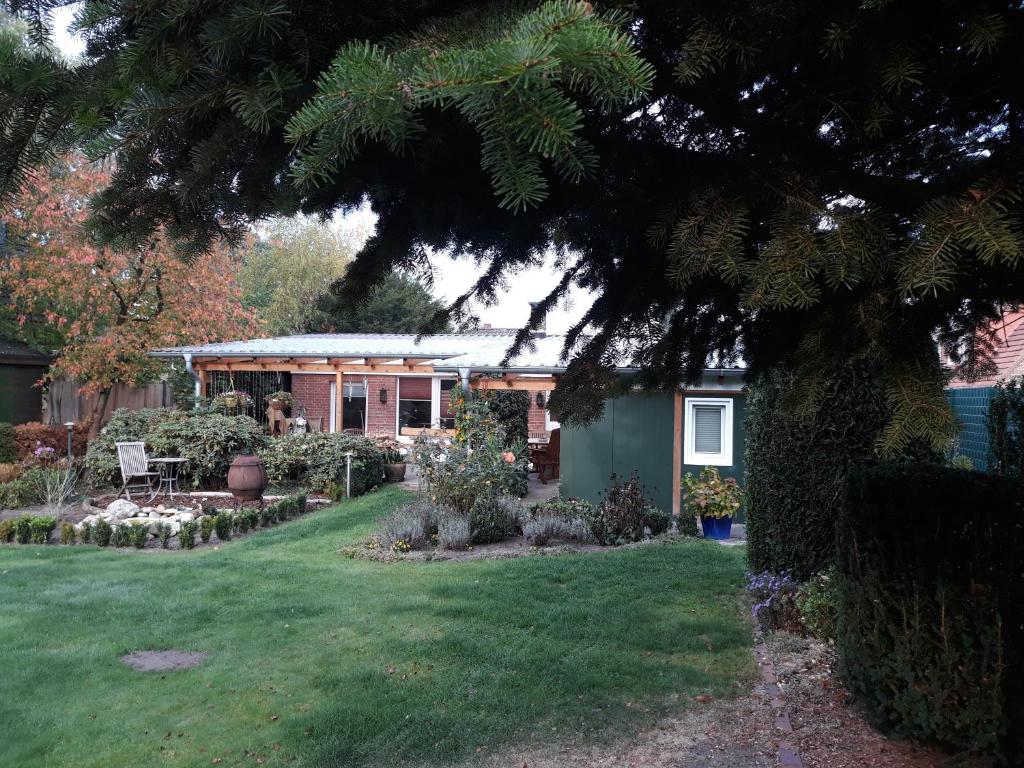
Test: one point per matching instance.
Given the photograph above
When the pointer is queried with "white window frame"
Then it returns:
(690, 456)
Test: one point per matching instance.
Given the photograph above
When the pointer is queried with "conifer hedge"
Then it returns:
(797, 465)
(931, 604)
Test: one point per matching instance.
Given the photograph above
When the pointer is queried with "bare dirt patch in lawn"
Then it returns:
(163, 661)
(726, 733)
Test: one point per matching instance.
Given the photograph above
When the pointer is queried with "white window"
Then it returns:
(707, 432)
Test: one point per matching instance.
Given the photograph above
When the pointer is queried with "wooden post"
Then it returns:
(677, 453)
(202, 383)
(339, 402)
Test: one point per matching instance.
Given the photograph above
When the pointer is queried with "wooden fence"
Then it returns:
(64, 403)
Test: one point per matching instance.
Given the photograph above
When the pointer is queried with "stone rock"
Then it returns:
(160, 508)
(88, 520)
(148, 511)
(185, 517)
(119, 509)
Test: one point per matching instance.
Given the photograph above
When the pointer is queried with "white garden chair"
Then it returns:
(134, 466)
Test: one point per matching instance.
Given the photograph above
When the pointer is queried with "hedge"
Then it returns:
(512, 411)
(34, 434)
(1005, 424)
(797, 465)
(209, 441)
(8, 444)
(317, 461)
(931, 604)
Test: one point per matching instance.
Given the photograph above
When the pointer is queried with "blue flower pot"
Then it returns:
(717, 528)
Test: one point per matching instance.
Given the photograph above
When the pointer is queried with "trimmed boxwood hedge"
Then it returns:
(317, 461)
(931, 604)
(797, 465)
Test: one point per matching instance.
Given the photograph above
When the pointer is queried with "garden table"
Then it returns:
(168, 466)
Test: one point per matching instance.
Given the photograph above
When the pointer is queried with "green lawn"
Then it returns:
(317, 659)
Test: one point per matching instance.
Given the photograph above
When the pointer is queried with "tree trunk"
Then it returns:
(97, 412)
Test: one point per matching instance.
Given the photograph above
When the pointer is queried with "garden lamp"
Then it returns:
(70, 426)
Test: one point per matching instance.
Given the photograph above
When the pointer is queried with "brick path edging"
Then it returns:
(789, 755)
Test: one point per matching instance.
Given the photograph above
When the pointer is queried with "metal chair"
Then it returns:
(134, 465)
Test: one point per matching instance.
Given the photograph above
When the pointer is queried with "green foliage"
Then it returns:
(163, 533)
(209, 442)
(21, 491)
(102, 532)
(137, 535)
(626, 513)
(930, 619)
(206, 523)
(1006, 428)
(223, 524)
(120, 536)
(86, 534)
(399, 304)
(798, 459)
(493, 518)
(23, 529)
(567, 519)
(316, 460)
(8, 443)
(512, 412)
(708, 495)
(187, 534)
(818, 603)
(42, 527)
(8, 529)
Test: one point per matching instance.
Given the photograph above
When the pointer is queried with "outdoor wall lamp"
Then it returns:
(540, 399)
(70, 427)
(383, 396)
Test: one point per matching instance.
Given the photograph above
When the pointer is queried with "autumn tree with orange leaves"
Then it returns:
(104, 309)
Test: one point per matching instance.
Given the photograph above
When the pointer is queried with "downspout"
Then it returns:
(198, 384)
(464, 379)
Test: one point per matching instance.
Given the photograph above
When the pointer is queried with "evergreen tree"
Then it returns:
(400, 304)
(790, 181)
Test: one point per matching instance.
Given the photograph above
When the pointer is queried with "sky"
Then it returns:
(452, 276)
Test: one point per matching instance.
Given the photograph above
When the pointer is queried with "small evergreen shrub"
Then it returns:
(205, 526)
(138, 535)
(493, 518)
(67, 533)
(187, 534)
(23, 529)
(569, 519)
(101, 532)
(818, 603)
(22, 491)
(222, 525)
(8, 529)
(931, 621)
(8, 443)
(402, 530)
(86, 533)
(120, 536)
(163, 533)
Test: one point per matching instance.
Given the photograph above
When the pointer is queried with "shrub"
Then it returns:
(138, 535)
(22, 491)
(86, 533)
(316, 460)
(8, 444)
(56, 483)
(402, 530)
(187, 534)
(101, 532)
(452, 530)
(8, 528)
(817, 602)
(493, 518)
(931, 622)
(774, 597)
(626, 513)
(268, 515)
(511, 410)
(120, 536)
(797, 463)
(543, 528)
(658, 521)
(35, 434)
(708, 495)
(222, 525)
(1005, 422)
(9, 472)
(42, 527)
(242, 522)
(205, 526)
(23, 529)
(163, 532)
(209, 441)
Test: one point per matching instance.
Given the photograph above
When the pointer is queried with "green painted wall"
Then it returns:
(635, 433)
(20, 398)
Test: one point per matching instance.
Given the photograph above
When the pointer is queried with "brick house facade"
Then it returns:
(313, 392)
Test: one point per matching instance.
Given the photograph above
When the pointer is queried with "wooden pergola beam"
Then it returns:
(515, 383)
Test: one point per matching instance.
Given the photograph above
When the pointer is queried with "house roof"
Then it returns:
(1008, 355)
(16, 353)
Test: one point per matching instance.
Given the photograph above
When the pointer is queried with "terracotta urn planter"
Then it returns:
(394, 473)
(247, 478)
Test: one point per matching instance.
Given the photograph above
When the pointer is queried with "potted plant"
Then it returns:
(232, 399)
(713, 498)
(394, 460)
(280, 400)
